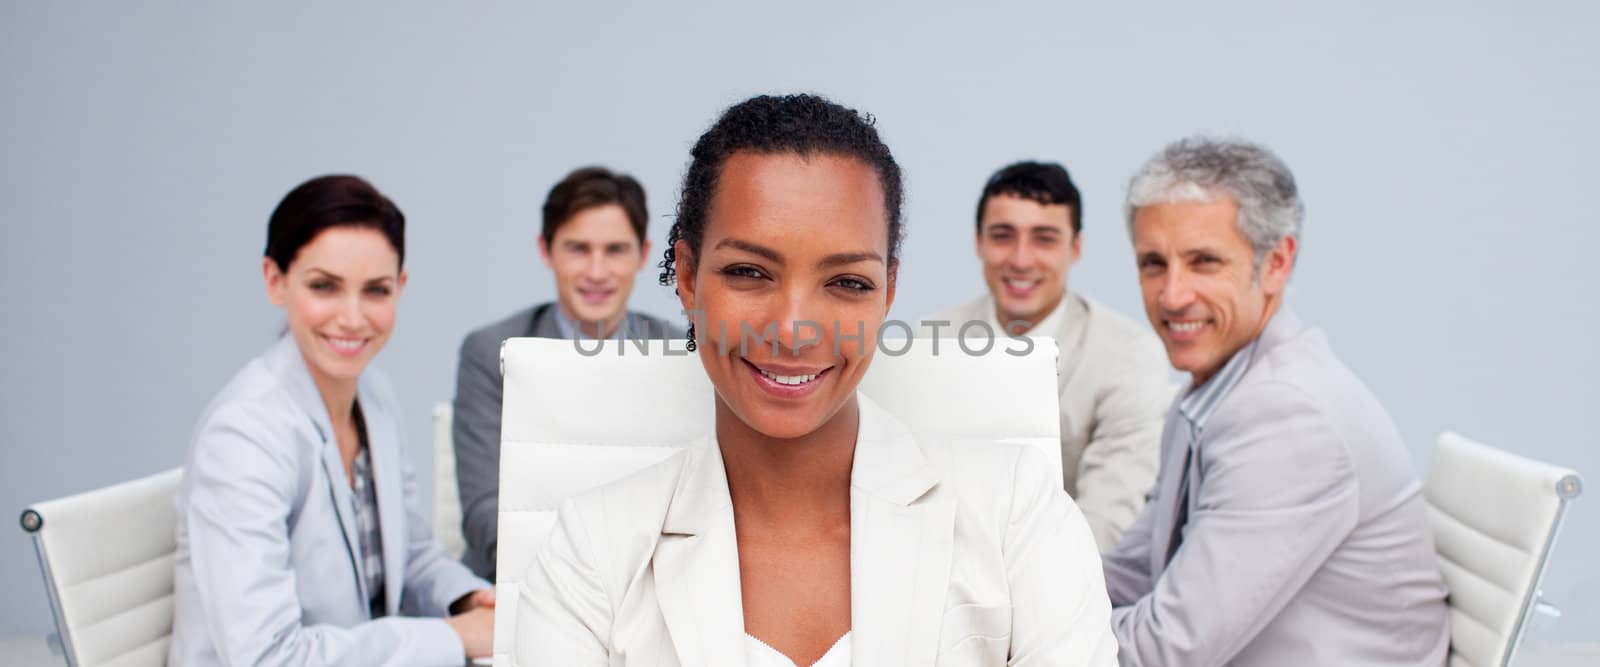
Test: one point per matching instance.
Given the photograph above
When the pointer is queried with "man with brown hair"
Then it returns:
(593, 239)
(1111, 376)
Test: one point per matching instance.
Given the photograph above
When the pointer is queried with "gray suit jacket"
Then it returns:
(1114, 390)
(266, 562)
(1306, 541)
(475, 426)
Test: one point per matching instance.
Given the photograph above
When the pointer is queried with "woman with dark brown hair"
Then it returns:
(300, 535)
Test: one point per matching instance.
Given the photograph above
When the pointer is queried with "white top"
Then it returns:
(758, 654)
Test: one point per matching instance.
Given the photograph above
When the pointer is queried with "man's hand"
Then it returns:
(483, 597)
(476, 630)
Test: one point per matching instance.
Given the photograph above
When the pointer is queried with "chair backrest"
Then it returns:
(573, 420)
(446, 495)
(1495, 517)
(107, 558)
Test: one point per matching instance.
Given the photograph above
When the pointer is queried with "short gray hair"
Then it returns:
(1205, 169)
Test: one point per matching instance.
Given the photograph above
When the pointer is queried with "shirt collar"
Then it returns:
(1201, 402)
(569, 329)
(1046, 326)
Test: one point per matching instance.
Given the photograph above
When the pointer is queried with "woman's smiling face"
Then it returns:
(340, 294)
(791, 283)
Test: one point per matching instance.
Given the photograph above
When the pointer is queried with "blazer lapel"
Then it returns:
(1174, 450)
(344, 506)
(901, 535)
(696, 565)
(296, 378)
(542, 323)
(1069, 339)
(384, 452)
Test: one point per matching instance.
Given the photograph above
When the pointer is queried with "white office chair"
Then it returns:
(1495, 517)
(446, 495)
(107, 559)
(572, 422)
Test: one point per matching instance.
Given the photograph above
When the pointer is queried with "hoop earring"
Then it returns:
(690, 336)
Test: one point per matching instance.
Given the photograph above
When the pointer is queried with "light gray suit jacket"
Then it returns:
(1306, 541)
(958, 556)
(475, 424)
(1112, 377)
(266, 563)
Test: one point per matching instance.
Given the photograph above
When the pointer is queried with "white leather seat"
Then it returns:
(572, 422)
(1495, 517)
(107, 558)
(446, 494)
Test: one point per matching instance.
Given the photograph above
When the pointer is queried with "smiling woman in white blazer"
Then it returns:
(300, 539)
(812, 528)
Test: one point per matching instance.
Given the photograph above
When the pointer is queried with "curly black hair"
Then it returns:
(803, 124)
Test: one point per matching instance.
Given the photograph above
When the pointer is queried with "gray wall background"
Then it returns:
(1446, 152)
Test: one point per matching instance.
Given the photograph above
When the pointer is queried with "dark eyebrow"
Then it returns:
(325, 274)
(752, 249)
(849, 258)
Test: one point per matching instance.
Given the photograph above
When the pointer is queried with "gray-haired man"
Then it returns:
(1287, 525)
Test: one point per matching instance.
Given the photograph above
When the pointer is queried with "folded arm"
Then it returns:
(1278, 495)
(242, 488)
(1119, 463)
(475, 434)
(1127, 565)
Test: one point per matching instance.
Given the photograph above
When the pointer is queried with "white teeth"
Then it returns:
(789, 379)
(346, 345)
(1021, 284)
(1185, 327)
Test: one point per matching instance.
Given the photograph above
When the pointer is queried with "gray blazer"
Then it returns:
(1306, 541)
(1112, 379)
(475, 426)
(266, 568)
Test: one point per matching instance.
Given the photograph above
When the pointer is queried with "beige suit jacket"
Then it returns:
(1115, 390)
(959, 556)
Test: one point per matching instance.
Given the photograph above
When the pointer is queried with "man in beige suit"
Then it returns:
(1112, 377)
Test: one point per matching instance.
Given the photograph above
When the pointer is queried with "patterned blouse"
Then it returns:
(371, 551)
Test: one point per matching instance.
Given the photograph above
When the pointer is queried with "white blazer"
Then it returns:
(959, 556)
(266, 561)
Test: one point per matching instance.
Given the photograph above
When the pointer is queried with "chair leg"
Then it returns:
(60, 640)
(1543, 606)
